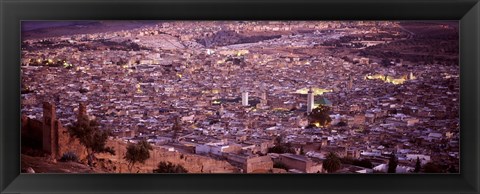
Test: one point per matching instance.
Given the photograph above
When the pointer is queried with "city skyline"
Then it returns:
(241, 96)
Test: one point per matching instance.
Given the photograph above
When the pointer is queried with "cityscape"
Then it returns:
(339, 97)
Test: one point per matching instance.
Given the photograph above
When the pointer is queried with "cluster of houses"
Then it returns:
(231, 102)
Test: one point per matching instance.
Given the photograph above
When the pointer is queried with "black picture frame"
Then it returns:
(14, 11)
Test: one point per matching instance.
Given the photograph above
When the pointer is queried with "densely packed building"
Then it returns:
(235, 87)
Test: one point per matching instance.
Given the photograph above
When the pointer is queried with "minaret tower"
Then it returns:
(310, 100)
(244, 97)
(350, 82)
(263, 97)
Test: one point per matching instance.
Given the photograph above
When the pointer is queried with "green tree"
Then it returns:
(279, 139)
(138, 152)
(168, 167)
(282, 148)
(341, 124)
(386, 62)
(347, 160)
(320, 115)
(332, 163)
(91, 136)
(418, 166)
(302, 151)
(280, 165)
(366, 163)
(392, 164)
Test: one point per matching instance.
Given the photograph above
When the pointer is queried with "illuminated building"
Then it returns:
(411, 76)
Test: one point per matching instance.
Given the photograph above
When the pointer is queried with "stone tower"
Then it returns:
(49, 135)
(263, 95)
(263, 100)
(350, 82)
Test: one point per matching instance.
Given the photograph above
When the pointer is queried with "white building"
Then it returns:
(399, 169)
(310, 100)
(244, 98)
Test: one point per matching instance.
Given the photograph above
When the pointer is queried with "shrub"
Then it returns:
(168, 167)
(69, 156)
(137, 153)
(332, 163)
(366, 163)
(280, 165)
(282, 148)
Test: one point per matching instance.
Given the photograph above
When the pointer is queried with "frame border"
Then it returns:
(13, 11)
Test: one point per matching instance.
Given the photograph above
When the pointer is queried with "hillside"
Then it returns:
(34, 30)
(116, 164)
(43, 165)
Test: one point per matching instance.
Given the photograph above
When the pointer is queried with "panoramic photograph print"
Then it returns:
(333, 97)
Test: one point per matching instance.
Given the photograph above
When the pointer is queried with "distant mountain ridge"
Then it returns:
(36, 25)
(45, 29)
